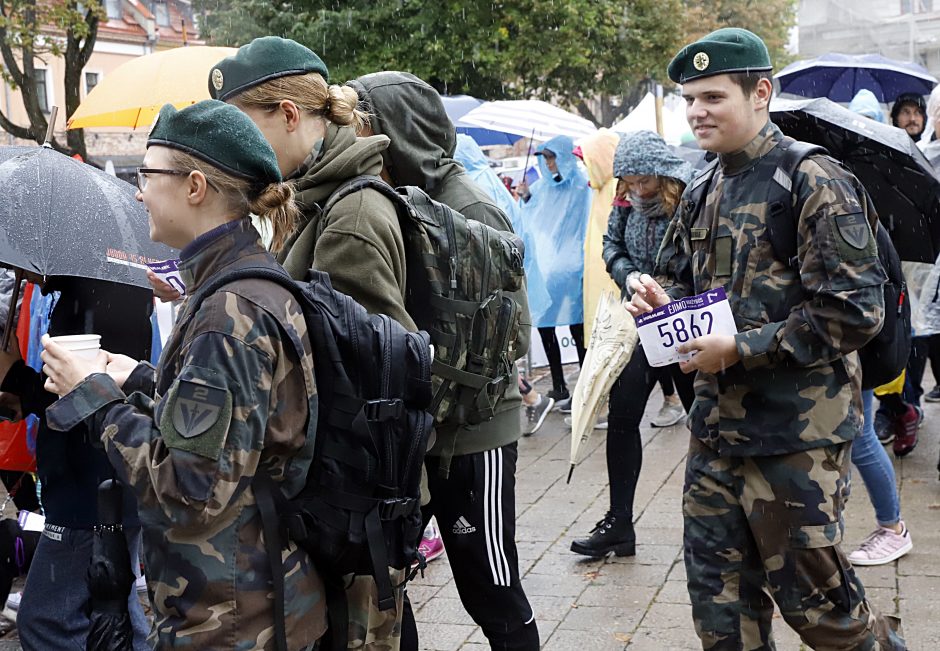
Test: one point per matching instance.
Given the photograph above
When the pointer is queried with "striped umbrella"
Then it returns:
(530, 118)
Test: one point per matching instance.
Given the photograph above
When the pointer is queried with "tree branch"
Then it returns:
(16, 130)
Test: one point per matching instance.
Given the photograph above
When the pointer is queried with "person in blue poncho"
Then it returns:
(554, 216)
(469, 154)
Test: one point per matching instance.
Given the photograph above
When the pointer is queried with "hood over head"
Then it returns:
(645, 153)
(865, 103)
(410, 112)
(598, 155)
(563, 148)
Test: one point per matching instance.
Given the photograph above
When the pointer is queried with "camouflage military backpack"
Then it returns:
(360, 510)
(460, 274)
(884, 357)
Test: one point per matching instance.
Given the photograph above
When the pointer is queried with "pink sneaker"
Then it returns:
(882, 546)
(431, 545)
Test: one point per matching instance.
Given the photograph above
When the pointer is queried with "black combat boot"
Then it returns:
(612, 534)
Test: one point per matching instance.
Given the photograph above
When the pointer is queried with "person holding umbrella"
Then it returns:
(54, 612)
(778, 403)
(231, 394)
(652, 178)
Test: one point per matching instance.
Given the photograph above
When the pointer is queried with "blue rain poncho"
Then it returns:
(469, 154)
(865, 103)
(555, 221)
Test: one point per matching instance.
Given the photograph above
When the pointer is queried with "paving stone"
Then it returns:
(443, 637)
(572, 640)
(601, 618)
(443, 610)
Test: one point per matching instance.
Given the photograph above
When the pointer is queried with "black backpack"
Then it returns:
(360, 510)
(884, 357)
(459, 279)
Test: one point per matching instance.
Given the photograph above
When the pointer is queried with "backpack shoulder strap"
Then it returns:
(699, 189)
(781, 224)
(362, 182)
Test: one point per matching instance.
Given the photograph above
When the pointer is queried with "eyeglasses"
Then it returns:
(142, 173)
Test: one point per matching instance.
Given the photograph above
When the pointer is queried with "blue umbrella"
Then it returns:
(459, 105)
(840, 76)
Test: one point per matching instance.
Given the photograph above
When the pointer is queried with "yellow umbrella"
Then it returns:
(132, 95)
(613, 340)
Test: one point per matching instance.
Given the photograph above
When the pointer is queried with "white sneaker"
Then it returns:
(141, 583)
(600, 424)
(13, 601)
(882, 546)
(669, 414)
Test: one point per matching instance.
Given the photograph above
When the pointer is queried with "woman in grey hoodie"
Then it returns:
(652, 179)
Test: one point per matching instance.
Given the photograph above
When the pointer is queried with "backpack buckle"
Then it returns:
(394, 508)
(379, 411)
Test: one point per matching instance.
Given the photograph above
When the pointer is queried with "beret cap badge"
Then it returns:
(217, 79)
(700, 61)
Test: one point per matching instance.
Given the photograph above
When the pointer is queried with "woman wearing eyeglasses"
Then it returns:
(233, 395)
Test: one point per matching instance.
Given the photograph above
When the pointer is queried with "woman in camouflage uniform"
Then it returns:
(232, 394)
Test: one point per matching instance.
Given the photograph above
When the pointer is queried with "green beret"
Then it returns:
(264, 59)
(219, 134)
(727, 50)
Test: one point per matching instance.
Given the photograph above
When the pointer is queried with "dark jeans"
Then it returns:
(52, 614)
(553, 352)
(628, 399)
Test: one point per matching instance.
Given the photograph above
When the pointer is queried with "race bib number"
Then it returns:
(664, 329)
(168, 272)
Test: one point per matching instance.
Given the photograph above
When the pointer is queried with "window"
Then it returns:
(42, 91)
(162, 13)
(91, 80)
(113, 8)
(916, 6)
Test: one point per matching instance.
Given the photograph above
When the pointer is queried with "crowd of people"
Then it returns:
(777, 413)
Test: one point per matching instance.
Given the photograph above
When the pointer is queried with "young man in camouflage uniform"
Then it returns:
(778, 404)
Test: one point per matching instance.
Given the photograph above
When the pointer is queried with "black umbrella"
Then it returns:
(900, 180)
(110, 576)
(61, 217)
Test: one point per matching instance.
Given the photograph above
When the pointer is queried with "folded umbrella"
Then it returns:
(529, 118)
(110, 576)
(133, 93)
(613, 341)
(900, 180)
(840, 76)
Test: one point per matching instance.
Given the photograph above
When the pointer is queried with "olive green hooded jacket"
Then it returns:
(421, 153)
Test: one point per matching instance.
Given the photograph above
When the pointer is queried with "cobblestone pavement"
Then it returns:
(641, 603)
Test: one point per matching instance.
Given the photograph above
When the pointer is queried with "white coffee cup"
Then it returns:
(86, 346)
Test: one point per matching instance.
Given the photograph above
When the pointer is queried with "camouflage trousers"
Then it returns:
(760, 530)
(371, 629)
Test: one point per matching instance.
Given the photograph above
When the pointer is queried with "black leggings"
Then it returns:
(628, 399)
(553, 352)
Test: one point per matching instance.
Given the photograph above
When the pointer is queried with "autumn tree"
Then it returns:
(34, 31)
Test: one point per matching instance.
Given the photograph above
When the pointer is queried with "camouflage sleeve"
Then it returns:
(674, 261)
(840, 273)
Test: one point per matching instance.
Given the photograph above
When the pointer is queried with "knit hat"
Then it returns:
(726, 50)
(264, 59)
(221, 135)
(644, 153)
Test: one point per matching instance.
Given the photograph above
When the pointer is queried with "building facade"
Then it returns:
(132, 28)
(907, 30)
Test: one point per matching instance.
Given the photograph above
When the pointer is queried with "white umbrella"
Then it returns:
(529, 118)
(613, 340)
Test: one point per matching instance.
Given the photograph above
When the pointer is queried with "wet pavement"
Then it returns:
(641, 603)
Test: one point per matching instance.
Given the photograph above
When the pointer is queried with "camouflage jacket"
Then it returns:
(798, 383)
(231, 396)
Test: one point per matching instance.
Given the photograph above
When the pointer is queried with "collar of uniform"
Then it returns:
(316, 152)
(217, 249)
(765, 140)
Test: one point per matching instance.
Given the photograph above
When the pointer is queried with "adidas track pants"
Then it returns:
(476, 513)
